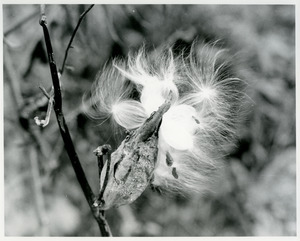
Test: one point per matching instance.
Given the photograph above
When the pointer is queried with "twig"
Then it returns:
(45, 122)
(72, 37)
(45, 92)
(69, 146)
(100, 152)
(70, 16)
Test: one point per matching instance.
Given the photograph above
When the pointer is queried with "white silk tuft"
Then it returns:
(202, 120)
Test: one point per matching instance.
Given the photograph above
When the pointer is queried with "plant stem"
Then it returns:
(69, 146)
(72, 37)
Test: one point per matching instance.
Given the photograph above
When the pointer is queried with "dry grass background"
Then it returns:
(255, 192)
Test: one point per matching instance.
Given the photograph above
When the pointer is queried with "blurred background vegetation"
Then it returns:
(255, 191)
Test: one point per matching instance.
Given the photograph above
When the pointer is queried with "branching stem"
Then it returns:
(69, 146)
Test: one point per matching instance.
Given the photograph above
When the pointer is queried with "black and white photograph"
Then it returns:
(149, 120)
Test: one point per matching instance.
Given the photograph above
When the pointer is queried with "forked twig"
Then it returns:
(69, 146)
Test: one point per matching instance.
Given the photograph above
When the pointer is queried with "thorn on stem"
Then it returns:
(44, 92)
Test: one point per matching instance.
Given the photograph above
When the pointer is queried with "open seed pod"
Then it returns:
(126, 175)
